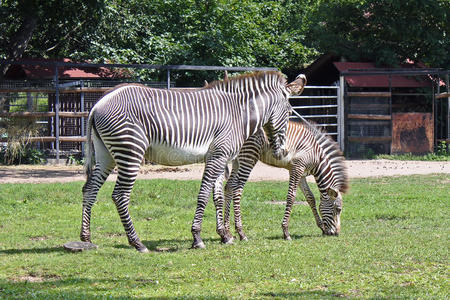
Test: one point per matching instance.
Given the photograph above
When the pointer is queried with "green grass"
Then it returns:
(394, 243)
(409, 156)
(442, 153)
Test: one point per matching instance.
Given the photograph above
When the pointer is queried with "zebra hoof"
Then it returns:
(199, 245)
(229, 240)
(86, 239)
(244, 238)
(144, 250)
(140, 247)
(287, 238)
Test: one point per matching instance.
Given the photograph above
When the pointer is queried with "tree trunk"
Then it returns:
(19, 41)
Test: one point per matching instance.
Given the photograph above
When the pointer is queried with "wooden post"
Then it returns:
(447, 81)
(438, 103)
(390, 111)
(57, 113)
(434, 111)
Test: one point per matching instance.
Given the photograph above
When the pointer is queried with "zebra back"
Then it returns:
(319, 153)
(262, 80)
(331, 160)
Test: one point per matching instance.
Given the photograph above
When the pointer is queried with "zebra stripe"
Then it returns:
(177, 128)
(310, 152)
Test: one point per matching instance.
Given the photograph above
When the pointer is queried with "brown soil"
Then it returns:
(356, 168)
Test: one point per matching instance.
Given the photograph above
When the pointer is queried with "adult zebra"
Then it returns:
(177, 128)
(310, 152)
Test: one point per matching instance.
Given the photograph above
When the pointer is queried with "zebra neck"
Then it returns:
(324, 175)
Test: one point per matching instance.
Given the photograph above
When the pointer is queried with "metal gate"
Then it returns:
(322, 105)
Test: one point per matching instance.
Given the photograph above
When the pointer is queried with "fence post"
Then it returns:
(168, 79)
(29, 102)
(340, 111)
(57, 113)
(82, 110)
(447, 82)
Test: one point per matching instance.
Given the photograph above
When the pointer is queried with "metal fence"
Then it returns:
(359, 121)
(321, 105)
(61, 106)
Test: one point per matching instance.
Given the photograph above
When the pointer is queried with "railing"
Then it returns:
(78, 87)
(329, 116)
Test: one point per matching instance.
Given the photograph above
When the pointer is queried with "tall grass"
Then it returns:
(394, 244)
(18, 149)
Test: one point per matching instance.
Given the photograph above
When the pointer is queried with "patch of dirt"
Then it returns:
(261, 172)
(38, 238)
(35, 278)
(165, 169)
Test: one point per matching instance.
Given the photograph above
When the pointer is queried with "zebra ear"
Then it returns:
(332, 192)
(296, 86)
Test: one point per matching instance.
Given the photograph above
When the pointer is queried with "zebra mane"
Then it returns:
(236, 81)
(332, 152)
(122, 85)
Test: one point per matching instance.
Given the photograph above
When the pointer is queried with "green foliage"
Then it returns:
(75, 159)
(21, 155)
(385, 31)
(393, 244)
(409, 156)
(225, 33)
(443, 149)
(18, 149)
(442, 153)
(55, 27)
(284, 34)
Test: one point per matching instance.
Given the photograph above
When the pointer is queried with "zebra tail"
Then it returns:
(89, 155)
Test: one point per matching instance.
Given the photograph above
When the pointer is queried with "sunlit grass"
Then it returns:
(394, 243)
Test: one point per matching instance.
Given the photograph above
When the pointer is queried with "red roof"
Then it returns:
(41, 72)
(380, 80)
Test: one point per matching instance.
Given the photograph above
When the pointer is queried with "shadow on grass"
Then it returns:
(79, 288)
(306, 295)
(33, 250)
(294, 236)
(168, 245)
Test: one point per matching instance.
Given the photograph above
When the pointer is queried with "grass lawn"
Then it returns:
(394, 243)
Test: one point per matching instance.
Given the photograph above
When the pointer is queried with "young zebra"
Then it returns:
(310, 152)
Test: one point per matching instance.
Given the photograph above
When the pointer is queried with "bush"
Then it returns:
(18, 148)
(21, 155)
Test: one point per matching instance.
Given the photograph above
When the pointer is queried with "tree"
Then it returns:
(46, 28)
(384, 31)
(213, 32)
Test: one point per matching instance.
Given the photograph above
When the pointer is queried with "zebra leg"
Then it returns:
(121, 197)
(214, 167)
(103, 168)
(218, 198)
(294, 177)
(228, 197)
(242, 168)
(311, 201)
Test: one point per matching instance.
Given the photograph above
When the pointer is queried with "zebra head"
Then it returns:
(330, 208)
(276, 128)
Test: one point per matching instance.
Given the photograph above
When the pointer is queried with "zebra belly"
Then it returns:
(176, 155)
(268, 159)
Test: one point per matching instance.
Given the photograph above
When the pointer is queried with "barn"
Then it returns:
(386, 111)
